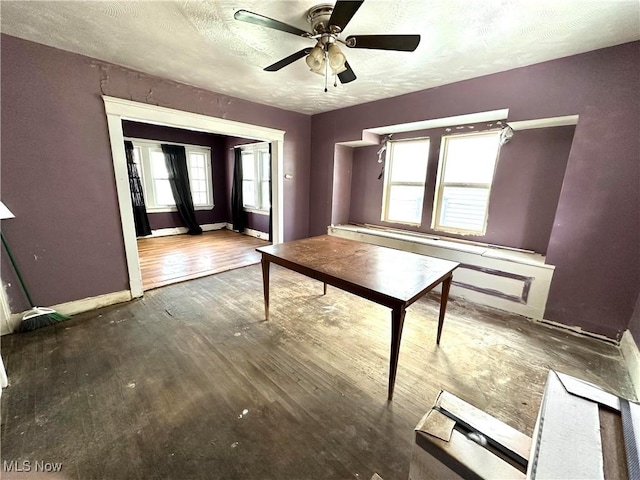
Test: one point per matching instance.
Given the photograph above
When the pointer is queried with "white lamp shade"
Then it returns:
(315, 60)
(336, 59)
(5, 212)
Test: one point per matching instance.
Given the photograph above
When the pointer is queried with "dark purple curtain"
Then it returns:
(176, 159)
(140, 218)
(238, 215)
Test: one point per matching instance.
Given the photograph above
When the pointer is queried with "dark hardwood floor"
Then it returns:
(176, 258)
(191, 383)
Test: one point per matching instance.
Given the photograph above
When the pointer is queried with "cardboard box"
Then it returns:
(584, 432)
(455, 440)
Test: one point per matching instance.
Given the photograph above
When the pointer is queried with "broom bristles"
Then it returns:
(39, 317)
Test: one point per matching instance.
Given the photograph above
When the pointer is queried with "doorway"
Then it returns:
(119, 109)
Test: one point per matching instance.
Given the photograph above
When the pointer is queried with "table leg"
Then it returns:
(397, 321)
(265, 285)
(446, 284)
(325, 289)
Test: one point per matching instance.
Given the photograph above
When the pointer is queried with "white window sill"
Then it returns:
(485, 250)
(174, 209)
(256, 211)
(458, 232)
(400, 222)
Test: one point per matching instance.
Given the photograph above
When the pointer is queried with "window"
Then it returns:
(152, 169)
(256, 169)
(404, 181)
(465, 174)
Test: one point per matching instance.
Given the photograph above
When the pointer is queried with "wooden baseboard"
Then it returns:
(631, 355)
(74, 307)
(256, 234)
(576, 330)
(251, 232)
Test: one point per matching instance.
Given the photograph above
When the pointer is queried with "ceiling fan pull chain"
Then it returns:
(326, 69)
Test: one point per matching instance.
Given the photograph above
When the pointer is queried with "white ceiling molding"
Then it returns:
(200, 43)
(371, 136)
(489, 116)
(544, 122)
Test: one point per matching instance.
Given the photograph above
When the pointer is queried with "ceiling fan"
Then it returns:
(327, 23)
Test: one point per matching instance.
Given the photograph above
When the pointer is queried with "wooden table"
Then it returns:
(392, 278)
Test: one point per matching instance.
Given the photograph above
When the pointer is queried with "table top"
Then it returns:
(385, 271)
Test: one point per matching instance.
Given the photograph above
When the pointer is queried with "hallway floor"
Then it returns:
(176, 258)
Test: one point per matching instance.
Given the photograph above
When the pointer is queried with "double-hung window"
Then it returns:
(465, 175)
(256, 170)
(404, 181)
(152, 168)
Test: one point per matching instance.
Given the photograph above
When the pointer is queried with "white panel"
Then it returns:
(507, 286)
(518, 263)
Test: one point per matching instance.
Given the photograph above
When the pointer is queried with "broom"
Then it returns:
(37, 317)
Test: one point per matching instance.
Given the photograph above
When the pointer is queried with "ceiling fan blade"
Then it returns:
(348, 75)
(256, 19)
(343, 11)
(403, 43)
(286, 61)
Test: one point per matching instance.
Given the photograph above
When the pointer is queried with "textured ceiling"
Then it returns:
(199, 42)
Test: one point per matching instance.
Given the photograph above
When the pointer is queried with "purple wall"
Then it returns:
(67, 235)
(57, 171)
(342, 184)
(523, 199)
(595, 236)
(221, 195)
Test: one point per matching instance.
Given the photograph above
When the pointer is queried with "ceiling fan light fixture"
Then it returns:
(337, 59)
(315, 60)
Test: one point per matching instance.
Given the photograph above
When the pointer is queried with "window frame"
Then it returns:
(144, 147)
(440, 185)
(386, 191)
(258, 150)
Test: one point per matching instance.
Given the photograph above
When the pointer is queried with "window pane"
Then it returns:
(248, 194)
(464, 208)
(266, 166)
(265, 195)
(197, 174)
(163, 193)
(158, 165)
(471, 159)
(248, 166)
(405, 203)
(198, 186)
(199, 198)
(409, 161)
(196, 160)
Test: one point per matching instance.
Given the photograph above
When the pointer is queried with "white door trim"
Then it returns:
(118, 109)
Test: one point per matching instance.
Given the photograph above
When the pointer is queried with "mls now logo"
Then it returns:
(28, 466)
